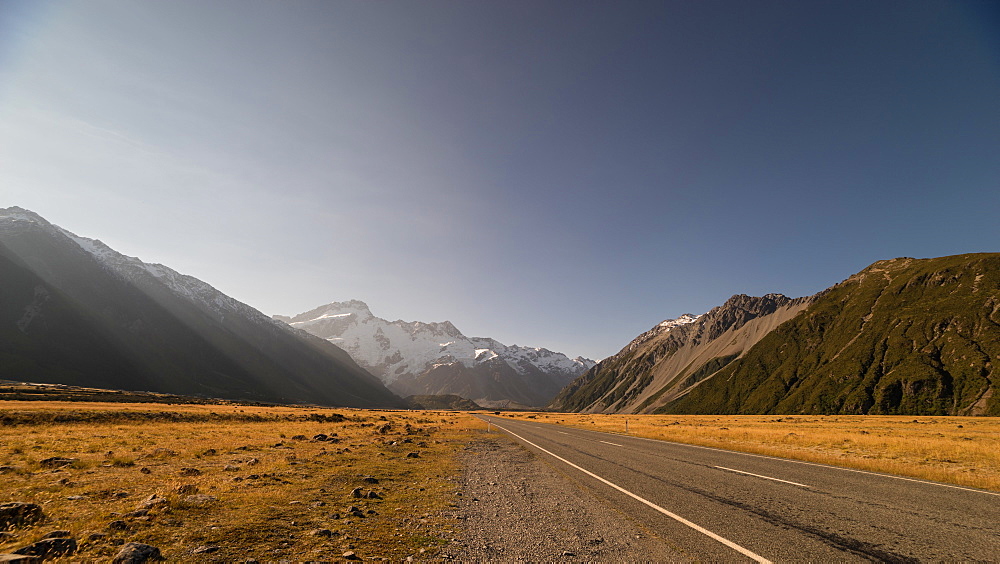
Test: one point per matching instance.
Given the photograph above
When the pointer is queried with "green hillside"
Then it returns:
(904, 336)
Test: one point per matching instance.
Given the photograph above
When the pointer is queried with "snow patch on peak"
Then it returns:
(682, 320)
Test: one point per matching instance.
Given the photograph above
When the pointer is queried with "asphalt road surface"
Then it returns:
(729, 506)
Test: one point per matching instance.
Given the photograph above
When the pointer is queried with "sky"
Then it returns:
(559, 174)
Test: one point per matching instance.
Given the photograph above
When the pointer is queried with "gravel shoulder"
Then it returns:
(517, 506)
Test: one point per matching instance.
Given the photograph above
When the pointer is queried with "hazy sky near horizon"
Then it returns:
(562, 174)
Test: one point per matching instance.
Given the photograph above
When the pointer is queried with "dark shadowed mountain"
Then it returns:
(73, 311)
(903, 336)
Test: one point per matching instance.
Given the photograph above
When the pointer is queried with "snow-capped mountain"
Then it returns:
(75, 311)
(413, 357)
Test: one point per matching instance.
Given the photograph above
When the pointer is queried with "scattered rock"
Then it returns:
(190, 472)
(322, 533)
(59, 534)
(145, 470)
(94, 536)
(76, 497)
(49, 548)
(356, 492)
(210, 452)
(355, 511)
(136, 553)
(231, 468)
(384, 429)
(413, 455)
(187, 489)
(300, 438)
(18, 514)
(568, 553)
(57, 462)
(118, 525)
(350, 555)
(206, 549)
(137, 513)
(320, 437)
(154, 501)
(369, 480)
(7, 469)
(373, 495)
(200, 498)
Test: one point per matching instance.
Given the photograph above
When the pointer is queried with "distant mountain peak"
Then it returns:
(401, 353)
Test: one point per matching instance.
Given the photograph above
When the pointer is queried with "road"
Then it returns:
(729, 506)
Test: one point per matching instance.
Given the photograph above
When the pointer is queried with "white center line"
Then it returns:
(607, 443)
(746, 552)
(765, 477)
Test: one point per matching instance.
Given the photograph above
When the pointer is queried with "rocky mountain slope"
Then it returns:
(73, 311)
(666, 361)
(903, 336)
(416, 358)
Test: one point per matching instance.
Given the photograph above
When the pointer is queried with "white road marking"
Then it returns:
(614, 444)
(905, 479)
(746, 552)
(762, 476)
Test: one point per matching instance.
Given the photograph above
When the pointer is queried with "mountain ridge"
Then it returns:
(155, 329)
(420, 358)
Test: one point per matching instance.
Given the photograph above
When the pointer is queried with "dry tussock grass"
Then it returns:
(249, 480)
(956, 450)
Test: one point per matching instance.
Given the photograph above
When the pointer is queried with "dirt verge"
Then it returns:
(516, 506)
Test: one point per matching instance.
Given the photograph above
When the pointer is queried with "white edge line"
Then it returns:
(883, 475)
(762, 476)
(674, 516)
(613, 444)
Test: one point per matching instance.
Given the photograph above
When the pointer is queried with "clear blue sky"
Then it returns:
(557, 174)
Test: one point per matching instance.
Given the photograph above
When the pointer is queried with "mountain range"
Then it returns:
(903, 336)
(416, 358)
(74, 311)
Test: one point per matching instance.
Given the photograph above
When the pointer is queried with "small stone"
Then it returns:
(49, 548)
(356, 492)
(7, 469)
(350, 555)
(190, 472)
(145, 470)
(322, 533)
(300, 438)
(231, 468)
(136, 553)
(210, 452)
(94, 536)
(568, 553)
(206, 549)
(57, 462)
(413, 455)
(58, 534)
(373, 495)
(370, 480)
(200, 498)
(76, 497)
(187, 489)
(320, 437)
(118, 525)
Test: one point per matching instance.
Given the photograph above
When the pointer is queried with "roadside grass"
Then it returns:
(249, 480)
(957, 450)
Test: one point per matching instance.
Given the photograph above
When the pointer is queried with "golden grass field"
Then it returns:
(956, 450)
(248, 487)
